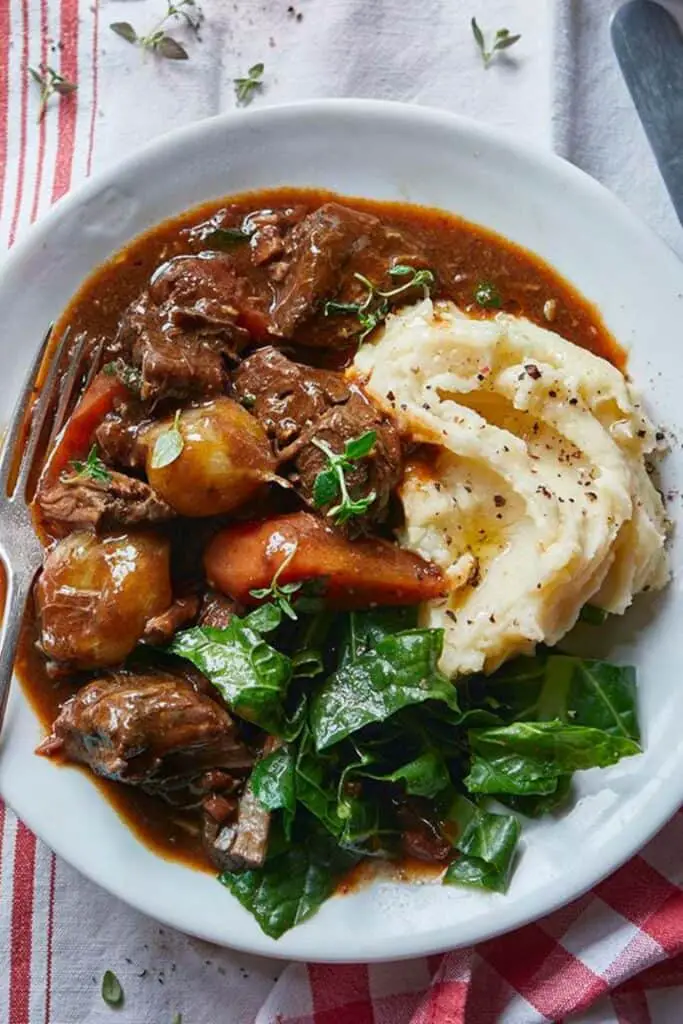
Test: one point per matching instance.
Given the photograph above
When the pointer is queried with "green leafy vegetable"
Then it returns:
(251, 676)
(331, 481)
(307, 663)
(364, 630)
(427, 775)
(92, 469)
(398, 672)
(246, 87)
(227, 238)
(375, 307)
(168, 445)
(537, 806)
(112, 992)
(486, 843)
(272, 780)
(50, 83)
(280, 595)
(487, 295)
(502, 40)
(530, 757)
(291, 886)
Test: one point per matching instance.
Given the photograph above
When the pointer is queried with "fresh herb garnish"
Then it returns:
(502, 40)
(375, 307)
(168, 445)
(246, 87)
(112, 992)
(227, 238)
(129, 375)
(158, 40)
(50, 82)
(280, 595)
(330, 483)
(92, 469)
(592, 615)
(487, 295)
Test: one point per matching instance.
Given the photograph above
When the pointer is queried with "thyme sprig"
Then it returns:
(50, 82)
(158, 40)
(330, 483)
(280, 595)
(375, 307)
(246, 87)
(502, 40)
(91, 469)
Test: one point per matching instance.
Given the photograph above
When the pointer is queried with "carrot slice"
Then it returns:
(76, 436)
(356, 574)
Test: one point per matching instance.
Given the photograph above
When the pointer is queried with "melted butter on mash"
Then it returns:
(538, 499)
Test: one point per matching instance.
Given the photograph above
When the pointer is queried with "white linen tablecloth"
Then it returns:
(558, 87)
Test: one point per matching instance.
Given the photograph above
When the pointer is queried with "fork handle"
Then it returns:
(17, 591)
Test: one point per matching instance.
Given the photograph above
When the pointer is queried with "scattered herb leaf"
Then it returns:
(487, 295)
(112, 992)
(129, 375)
(246, 87)
(592, 615)
(280, 595)
(168, 445)
(226, 238)
(92, 469)
(50, 82)
(330, 482)
(502, 40)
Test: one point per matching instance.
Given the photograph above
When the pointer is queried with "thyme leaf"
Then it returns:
(51, 83)
(158, 40)
(91, 469)
(330, 483)
(502, 40)
(168, 445)
(280, 595)
(246, 87)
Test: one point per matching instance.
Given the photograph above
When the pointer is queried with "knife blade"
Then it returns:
(649, 47)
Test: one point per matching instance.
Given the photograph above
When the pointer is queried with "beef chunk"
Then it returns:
(148, 730)
(315, 253)
(288, 398)
(118, 436)
(179, 332)
(183, 612)
(243, 843)
(297, 403)
(82, 503)
(379, 472)
(217, 610)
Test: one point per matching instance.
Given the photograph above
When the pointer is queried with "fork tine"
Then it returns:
(18, 421)
(68, 385)
(96, 356)
(39, 415)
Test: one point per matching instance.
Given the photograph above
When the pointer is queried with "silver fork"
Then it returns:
(20, 549)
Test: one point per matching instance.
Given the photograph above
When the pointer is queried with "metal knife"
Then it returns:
(649, 47)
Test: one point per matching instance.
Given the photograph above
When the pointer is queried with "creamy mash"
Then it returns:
(537, 500)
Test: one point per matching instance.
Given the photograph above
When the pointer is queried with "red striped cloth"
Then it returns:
(615, 955)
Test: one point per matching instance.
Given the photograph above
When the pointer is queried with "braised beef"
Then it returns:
(149, 730)
(182, 613)
(287, 397)
(180, 331)
(118, 436)
(217, 610)
(241, 844)
(84, 503)
(297, 404)
(421, 837)
(315, 253)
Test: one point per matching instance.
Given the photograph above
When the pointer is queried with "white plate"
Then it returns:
(384, 151)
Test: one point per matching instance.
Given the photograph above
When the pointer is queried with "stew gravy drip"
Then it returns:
(461, 255)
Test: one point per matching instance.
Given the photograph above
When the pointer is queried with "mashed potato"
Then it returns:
(538, 499)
